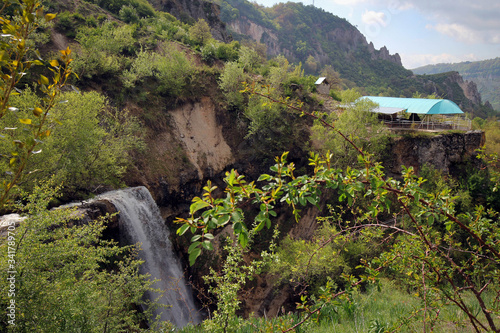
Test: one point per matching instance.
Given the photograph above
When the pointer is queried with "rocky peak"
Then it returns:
(471, 92)
(384, 54)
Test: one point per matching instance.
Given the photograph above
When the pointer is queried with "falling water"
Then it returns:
(141, 222)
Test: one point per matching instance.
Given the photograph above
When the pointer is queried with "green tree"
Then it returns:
(249, 58)
(128, 14)
(16, 63)
(56, 271)
(102, 49)
(231, 83)
(89, 149)
(170, 68)
(311, 65)
(443, 256)
(67, 278)
(362, 126)
(200, 32)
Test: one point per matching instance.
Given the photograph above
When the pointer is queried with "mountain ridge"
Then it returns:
(485, 74)
(318, 39)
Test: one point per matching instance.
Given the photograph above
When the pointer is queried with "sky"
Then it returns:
(423, 31)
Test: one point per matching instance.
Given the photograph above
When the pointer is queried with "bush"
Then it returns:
(364, 129)
(90, 147)
(228, 52)
(61, 283)
(208, 53)
(68, 23)
(231, 83)
(170, 69)
(102, 49)
(128, 14)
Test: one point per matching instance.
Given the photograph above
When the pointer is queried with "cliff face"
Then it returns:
(471, 91)
(186, 10)
(346, 38)
(258, 33)
(185, 147)
(446, 152)
(485, 74)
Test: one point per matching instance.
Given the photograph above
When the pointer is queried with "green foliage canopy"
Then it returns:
(68, 279)
(88, 149)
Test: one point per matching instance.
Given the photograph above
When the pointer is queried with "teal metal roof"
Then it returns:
(417, 105)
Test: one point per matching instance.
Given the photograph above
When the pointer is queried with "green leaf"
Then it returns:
(44, 80)
(243, 239)
(311, 200)
(448, 225)
(260, 226)
(195, 238)
(237, 227)
(182, 229)
(236, 216)
(193, 255)
(223, 220)
(264, 177)
(208, 236)
(230, 179)
(197, 205)
(207, 245)
(193, 246)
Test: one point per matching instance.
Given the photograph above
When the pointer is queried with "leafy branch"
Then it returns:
(420, 251)
(15, 64)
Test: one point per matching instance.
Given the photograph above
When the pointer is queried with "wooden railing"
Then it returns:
(434, 124)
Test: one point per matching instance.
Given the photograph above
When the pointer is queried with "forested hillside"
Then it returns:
(325, 43)
(486, 74)
(278, 198)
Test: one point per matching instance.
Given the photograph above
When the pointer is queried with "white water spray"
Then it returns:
(142, 223)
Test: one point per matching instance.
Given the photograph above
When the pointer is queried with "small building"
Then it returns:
(322, 86)
(423, 113)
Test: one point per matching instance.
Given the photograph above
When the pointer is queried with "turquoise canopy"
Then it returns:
(416, 105)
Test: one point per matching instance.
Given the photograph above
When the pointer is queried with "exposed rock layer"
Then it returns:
(445, 152)
(195, 9)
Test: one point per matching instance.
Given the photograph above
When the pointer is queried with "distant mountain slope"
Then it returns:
(316, 38)
(486, 75)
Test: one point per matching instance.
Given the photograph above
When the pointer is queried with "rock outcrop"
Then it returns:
(186, 10)
(384, 54)
(471, 91)
(446, 152)
(346, 37)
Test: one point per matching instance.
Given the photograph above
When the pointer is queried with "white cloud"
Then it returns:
(463, 20)
(467, 35)
(458, 32)
(416, 60)
(372, 17)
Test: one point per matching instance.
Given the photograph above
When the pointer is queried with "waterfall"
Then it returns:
(142, 223)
